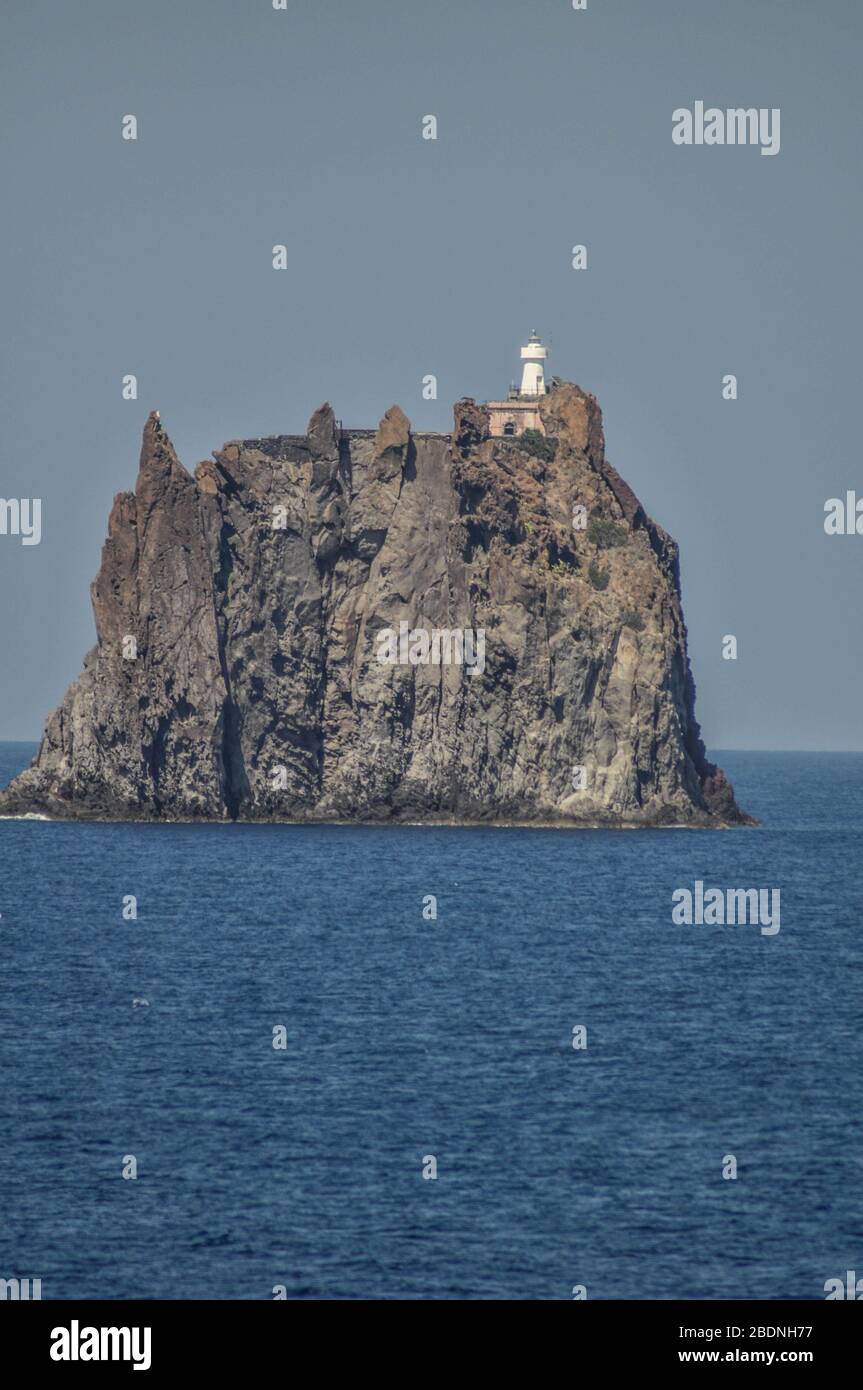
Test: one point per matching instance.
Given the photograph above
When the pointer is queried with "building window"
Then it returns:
(509, 427)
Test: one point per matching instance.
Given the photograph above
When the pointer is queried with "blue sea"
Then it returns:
(410, 1039)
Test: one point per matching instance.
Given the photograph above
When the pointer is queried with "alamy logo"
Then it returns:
(718, 907)
(735, 126)
(76, 1343)
(21, 517)
(439, 647)
(850, 1288)
(844, 516)
(19, 1289)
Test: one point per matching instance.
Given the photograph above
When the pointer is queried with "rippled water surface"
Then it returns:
(451, 1038)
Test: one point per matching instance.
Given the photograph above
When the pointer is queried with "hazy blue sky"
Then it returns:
(409, 256)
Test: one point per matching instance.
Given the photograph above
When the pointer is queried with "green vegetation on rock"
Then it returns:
(598, 577)
(605, 535)
(538, 445)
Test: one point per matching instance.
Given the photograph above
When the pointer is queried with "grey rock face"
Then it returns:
(263, 593)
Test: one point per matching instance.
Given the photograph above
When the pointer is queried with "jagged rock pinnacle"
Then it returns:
(280, 603)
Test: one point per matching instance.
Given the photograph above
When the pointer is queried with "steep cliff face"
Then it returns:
(278, 603)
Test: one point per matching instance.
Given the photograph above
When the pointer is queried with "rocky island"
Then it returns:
(294, 632)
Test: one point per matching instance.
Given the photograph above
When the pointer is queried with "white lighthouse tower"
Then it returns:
(520, 410)
(533, 373)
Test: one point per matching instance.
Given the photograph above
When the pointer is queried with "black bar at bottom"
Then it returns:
(166, 1338)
